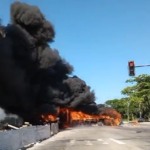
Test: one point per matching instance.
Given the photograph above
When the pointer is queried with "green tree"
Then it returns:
(119, 104)
(139, 95)
(137, 98)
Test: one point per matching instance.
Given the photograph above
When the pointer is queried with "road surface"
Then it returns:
(98, 138)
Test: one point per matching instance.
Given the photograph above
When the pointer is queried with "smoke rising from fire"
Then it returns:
(33, 21)
(2, 114)
(34, 78)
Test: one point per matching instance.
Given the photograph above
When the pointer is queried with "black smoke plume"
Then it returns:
(34, 79)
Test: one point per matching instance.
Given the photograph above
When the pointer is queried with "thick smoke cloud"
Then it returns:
(34, 79)
(31, 19)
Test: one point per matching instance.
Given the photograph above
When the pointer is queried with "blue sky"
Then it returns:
(98, 37)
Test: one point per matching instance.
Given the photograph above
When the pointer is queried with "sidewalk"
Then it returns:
(136, 124)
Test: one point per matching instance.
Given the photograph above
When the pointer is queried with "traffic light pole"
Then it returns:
(142, 66)
(132, 66)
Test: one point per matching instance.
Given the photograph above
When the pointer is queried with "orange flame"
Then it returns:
(49, 118)
(78, 115)
(68, 115)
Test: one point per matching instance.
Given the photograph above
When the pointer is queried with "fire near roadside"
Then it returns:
(35, 82)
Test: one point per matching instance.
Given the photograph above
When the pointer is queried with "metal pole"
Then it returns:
(142, 65)
(140, 113)
(128, 104)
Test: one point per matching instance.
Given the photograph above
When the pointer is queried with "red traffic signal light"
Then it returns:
(131, 67)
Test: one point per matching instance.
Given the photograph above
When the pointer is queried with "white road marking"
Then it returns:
(116, 141)
(105, 143)
(88, 143)
(101, 140)
(72, 142)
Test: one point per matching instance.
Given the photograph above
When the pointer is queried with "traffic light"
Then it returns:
(131, 68)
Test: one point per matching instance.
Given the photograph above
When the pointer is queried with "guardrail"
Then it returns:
(17, 139)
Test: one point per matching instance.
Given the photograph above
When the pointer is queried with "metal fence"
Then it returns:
(17, 139)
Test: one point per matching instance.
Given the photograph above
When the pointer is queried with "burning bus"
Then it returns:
(36, 82)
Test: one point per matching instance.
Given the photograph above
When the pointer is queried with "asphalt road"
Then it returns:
(99, 138)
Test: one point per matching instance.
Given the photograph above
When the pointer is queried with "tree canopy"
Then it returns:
(136, 98)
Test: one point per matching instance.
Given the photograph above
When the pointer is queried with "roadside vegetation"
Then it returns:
(136, 101)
